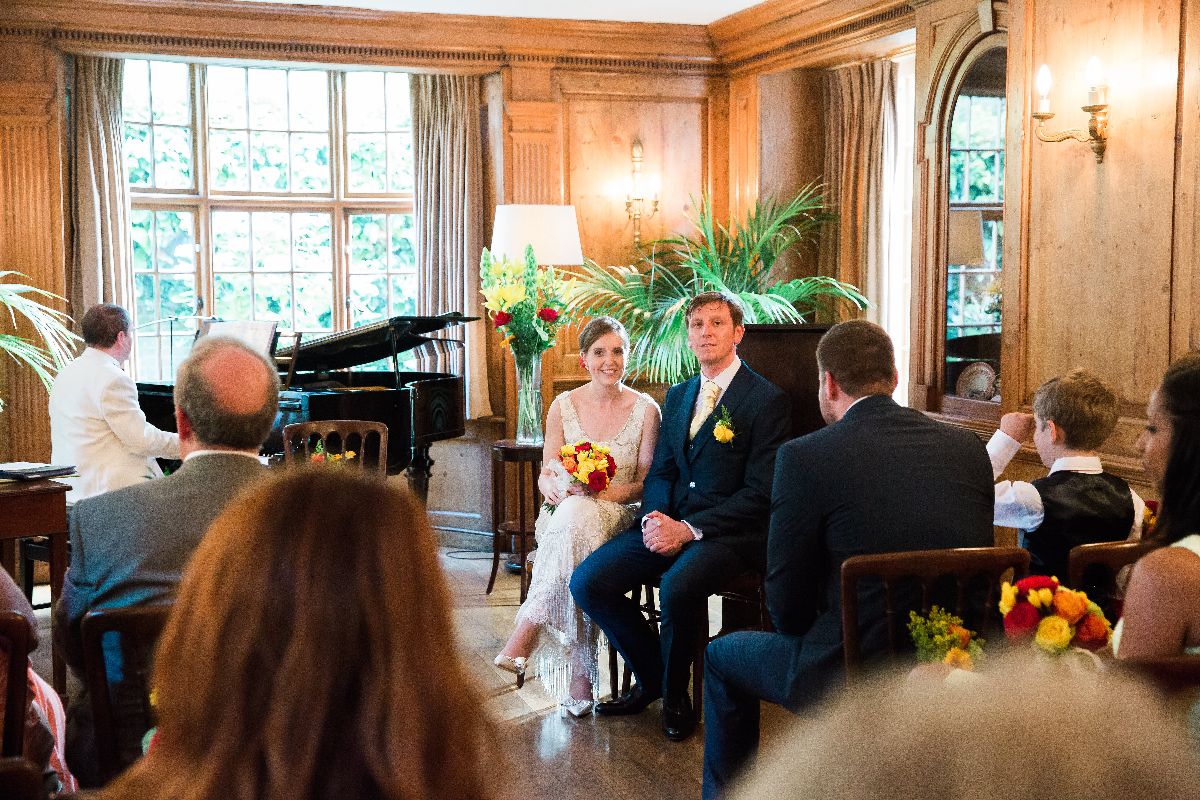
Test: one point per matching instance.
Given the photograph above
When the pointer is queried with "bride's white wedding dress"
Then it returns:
(569, 642)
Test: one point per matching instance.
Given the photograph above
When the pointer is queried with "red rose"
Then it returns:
(502, 318)
(612, 466)
(583, 447)
(1035, 582)
(547, 314)
(597, 480)
(1021, 621)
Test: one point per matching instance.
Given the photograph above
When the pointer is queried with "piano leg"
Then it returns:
(420, 471)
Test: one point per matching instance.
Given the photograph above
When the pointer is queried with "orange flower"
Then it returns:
(964, 635)
(569, 463)
(1070, 605)
(957, 657)
(1092, 632)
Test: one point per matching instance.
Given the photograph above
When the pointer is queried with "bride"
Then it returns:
(551, 633)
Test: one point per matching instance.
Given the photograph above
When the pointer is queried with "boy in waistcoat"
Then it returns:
(1077, 502)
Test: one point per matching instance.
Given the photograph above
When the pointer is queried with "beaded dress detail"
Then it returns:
(569, 641)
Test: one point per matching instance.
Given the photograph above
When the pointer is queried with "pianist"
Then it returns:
(129, 547)
(96, 423)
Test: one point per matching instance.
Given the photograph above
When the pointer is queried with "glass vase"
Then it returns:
(529, 398)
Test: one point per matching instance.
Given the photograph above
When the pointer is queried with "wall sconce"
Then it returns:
(635, 198)
(1097, 107)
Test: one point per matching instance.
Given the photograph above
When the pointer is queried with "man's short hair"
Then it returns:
(859, 356)
(1079, 403)
(712, 298)
(101, 323)
(211, 423)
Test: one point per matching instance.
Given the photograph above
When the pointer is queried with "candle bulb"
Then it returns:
(1044, 82)
(1097, 91)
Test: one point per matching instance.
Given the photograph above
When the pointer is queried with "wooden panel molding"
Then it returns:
(533, 164)
(228, 29)
(789, 33)
(743, 144)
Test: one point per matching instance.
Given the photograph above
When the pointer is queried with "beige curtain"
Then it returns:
(448, 164)
(860, 157)
(99, 196)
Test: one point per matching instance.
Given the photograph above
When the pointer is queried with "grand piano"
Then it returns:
(419, 408)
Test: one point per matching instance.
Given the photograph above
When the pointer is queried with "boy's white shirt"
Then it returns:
(1018, 503)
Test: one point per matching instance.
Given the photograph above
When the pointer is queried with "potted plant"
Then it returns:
(53, 344)
(649, 297)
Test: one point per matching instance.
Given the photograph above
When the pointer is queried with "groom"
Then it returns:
(705, 506)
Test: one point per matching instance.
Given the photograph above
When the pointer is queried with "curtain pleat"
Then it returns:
(448, 165)
(860, 155)
(100, 269)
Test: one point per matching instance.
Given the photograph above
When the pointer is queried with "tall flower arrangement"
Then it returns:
(526, 303)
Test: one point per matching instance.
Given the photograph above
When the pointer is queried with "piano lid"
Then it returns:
(367, 343)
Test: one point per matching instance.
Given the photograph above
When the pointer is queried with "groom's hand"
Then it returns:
(663, 535)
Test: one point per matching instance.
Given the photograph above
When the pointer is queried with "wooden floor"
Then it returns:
(551, 756)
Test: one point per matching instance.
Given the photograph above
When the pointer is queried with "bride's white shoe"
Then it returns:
(576, 708)
(514, 665)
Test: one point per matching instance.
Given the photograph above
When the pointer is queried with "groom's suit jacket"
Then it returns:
(721, 489)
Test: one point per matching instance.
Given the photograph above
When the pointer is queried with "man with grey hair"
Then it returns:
(129, 547)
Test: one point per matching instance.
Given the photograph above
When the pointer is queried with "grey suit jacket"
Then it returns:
(129, 547)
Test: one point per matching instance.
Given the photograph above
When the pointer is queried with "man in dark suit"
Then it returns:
(129, 547)
(704, 515)
(879, 478)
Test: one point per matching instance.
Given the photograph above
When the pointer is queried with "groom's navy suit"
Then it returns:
(723, 490)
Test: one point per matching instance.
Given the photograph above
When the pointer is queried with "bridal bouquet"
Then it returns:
(1057, 618)
(940, 638)
(586, 463)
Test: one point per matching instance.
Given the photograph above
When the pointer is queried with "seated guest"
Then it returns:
(1078, 502)
(305, 660)
(1025, 729)
(129, 547)
(1162, 601)
(96, 423)
(880, 478)
(45, 723)
(703, 517)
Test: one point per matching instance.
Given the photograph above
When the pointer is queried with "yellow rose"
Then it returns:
(1053, 634)
(1040, 598)
(1008, 597)
(722, 433)
(584, 469)
(567, 450)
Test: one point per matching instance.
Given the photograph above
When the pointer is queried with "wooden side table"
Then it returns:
(514, 533)
(38, 508)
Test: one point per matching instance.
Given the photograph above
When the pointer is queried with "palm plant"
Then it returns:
(53, 344)
(649, 297)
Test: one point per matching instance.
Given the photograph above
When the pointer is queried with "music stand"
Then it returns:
(258, 334)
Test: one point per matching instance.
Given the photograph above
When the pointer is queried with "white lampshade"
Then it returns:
(553, 231)
(966, 239)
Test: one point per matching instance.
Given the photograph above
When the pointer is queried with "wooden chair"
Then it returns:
(121, 718)
(743, 607)
(20, 780)
(1093, 568)
(971, 570)
(367, 439)
(14, 637)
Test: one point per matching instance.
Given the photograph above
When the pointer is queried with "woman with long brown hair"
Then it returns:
(311, 656)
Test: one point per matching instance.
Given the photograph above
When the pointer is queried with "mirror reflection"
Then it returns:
(976, 231)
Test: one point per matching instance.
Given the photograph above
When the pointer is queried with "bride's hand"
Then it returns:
(550, 489)
(579, 489)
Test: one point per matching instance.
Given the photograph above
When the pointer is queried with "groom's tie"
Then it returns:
(708, 401)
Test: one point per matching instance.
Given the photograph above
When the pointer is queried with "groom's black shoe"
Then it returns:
(678, 720)
(634, 702)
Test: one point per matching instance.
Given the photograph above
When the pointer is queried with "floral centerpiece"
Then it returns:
(591, 465)
(322, 456)
(1054, 617)
(940, 638)
(526, 303)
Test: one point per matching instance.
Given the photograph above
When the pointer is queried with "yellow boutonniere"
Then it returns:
(723, 431)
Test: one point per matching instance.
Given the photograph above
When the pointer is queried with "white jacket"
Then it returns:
(97, 425)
